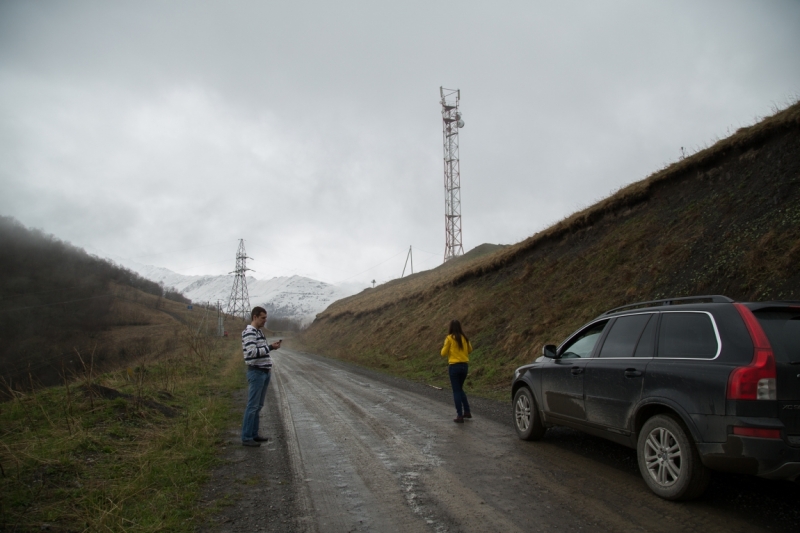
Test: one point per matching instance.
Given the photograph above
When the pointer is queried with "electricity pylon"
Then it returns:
(451, 123)
(239, 300)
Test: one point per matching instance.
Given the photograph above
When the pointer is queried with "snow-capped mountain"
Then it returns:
(294, 297)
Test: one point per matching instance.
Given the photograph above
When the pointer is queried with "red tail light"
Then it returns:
(755, 381)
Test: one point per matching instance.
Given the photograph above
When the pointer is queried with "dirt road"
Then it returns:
(355, 450)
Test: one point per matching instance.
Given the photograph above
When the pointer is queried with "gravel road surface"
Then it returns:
(356, 450)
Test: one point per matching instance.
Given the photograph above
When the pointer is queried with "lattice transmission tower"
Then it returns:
(451, 123)
(239, 300)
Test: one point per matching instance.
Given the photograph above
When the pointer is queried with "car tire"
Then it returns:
(668, 459)
(527, 420)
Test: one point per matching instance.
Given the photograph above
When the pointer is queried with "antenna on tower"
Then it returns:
(451, 123)
(239, 300)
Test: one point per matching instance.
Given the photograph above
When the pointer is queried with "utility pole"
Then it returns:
(239, 300)
(220, 326)
(451, 124)
(409, 256)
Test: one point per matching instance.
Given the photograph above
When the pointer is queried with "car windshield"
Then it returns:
(782, 327)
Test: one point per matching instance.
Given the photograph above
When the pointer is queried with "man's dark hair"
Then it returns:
(256, 312)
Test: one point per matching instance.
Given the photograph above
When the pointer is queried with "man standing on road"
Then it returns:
(259, 370)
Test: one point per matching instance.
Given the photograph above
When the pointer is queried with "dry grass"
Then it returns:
(127, 439)
(121, 451)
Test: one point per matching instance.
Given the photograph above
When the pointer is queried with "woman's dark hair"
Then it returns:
(457, 333)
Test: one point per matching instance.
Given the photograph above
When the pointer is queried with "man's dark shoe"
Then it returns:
(261, 439)
(252, 443)
(459, 420)
(467, 415)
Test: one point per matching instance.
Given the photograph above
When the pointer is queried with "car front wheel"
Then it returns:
(668, 459)
(526, 416)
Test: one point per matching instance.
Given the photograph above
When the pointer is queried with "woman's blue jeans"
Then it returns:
(458, 373)
(258, 381)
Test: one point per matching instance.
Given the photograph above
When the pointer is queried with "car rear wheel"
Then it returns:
(526, 416)
(668, 459)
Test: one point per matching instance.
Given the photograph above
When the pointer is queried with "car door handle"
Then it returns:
(576, 370)
(632, 373)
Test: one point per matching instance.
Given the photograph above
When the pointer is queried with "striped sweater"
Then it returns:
(255, 348)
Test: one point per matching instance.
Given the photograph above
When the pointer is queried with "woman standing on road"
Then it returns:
(457, 348)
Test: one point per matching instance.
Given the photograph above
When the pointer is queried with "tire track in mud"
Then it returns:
(380, 458)
(350, 490)
(415, 493)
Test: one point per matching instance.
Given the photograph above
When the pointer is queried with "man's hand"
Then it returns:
(275, 345)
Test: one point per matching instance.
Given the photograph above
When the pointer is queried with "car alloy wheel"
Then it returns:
(522, 412)
(668, 459)
(662, 455)
(526, 416)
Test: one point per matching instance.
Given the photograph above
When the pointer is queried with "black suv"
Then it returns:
(693, 384)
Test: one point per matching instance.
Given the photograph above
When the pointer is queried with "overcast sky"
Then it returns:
(165, 131)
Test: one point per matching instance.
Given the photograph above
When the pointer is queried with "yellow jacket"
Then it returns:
(457, 355)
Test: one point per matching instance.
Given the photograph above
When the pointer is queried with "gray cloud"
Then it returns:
(164, 131)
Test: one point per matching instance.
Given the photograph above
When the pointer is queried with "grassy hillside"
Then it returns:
(59, 304)
(724, 221)
(126, 450)
(139, 389)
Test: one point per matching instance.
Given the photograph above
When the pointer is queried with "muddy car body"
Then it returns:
(693, 384)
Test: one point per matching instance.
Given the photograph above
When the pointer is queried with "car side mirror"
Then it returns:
(549, 350)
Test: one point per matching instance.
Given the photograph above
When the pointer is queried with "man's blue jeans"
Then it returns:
(257, 391)
(458, 373)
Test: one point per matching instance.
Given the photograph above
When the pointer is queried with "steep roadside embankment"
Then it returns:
(724, 221)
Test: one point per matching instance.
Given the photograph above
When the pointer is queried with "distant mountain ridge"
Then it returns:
(295, 297)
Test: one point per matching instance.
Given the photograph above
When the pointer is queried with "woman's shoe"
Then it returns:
(467, 415)
(459, 420)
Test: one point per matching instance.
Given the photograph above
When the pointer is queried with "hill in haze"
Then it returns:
(724, 221)
(59, 305)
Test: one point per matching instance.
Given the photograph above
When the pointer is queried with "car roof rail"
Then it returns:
(711, 298)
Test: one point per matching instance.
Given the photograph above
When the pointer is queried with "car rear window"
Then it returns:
(624, 335)
(782, 327)
(687, 336)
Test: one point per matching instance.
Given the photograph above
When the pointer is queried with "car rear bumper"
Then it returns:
(769, 458)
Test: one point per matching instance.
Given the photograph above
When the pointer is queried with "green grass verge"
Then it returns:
(76, 461)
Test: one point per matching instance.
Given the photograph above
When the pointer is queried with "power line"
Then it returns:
(370, 268)
(17, 295)
(182, 250)
(56, 303)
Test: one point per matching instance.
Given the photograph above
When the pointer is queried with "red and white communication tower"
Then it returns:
(451, 123)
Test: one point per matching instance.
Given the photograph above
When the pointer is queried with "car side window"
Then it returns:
(624, 335)
(647, 342)
(583, 343)
(687, 335)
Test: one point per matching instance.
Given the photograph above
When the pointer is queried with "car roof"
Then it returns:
(715, 298)
(693, 301)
